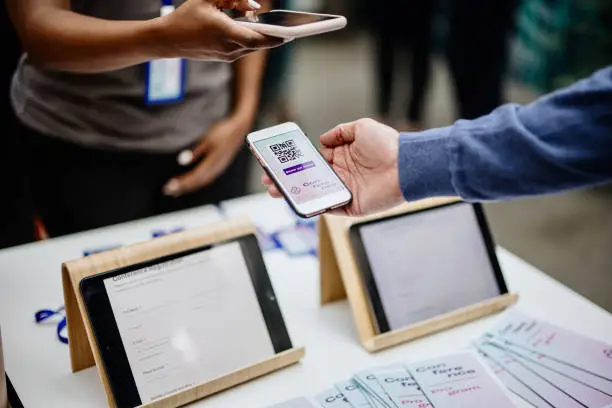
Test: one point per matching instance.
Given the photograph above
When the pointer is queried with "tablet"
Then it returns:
(172, 323)
(423, 264)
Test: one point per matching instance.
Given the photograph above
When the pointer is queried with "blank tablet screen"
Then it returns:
(428, 263)
(189, 320)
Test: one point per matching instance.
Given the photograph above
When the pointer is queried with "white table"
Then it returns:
(38, 364)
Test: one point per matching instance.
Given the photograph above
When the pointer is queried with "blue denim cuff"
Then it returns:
(423, 163)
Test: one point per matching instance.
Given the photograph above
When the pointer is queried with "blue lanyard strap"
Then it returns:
(46, 314)
(167, 3)
(60, 328)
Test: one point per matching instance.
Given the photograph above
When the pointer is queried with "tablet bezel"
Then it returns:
(377, 311)
(106, 331)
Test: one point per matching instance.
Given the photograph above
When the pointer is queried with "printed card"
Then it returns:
(367, 379)
(402, 388)
(584, 377)
(513, 384)
(588, 396)
(355, 395)
(332, 398)
(459, 380)
(557, 343)
(553, 395)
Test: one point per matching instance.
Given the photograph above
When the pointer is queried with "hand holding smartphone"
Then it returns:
(292, 24)
(302, 175)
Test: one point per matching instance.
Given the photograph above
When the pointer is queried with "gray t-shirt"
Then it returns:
(108, 110)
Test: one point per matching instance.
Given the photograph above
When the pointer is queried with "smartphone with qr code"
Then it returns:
(300, 172)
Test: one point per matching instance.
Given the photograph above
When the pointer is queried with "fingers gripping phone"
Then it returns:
(293, 24)
(299, 171)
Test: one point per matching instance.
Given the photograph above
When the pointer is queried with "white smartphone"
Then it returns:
(293, 24)
(299, 171)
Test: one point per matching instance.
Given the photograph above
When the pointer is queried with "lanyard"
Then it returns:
(45, 314)
(165, 78)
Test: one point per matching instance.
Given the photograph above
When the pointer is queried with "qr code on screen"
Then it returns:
(286, 151)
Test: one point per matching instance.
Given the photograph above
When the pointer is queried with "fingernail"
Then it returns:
(172, 188)
(185, 158)
(254, 4)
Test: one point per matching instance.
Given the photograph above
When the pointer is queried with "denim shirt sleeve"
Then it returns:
(559, 142)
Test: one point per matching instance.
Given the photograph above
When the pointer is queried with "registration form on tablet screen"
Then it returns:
(173, 316)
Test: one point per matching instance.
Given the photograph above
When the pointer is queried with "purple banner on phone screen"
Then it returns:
(298, 168)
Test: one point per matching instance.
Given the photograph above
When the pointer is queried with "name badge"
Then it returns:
(165, 78)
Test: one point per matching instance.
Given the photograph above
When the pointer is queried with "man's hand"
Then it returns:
(217, 150)
(199, 30)
(364, 155)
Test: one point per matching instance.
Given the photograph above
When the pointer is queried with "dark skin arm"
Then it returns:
(57, 38)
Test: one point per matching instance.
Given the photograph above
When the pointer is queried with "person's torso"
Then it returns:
(108, 110)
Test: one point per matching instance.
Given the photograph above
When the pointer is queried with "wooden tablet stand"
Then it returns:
(340, 278)
(83, 349)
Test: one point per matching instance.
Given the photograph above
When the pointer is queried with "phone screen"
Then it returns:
(298, 167)
(285, 19)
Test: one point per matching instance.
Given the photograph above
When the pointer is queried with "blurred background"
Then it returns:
(416, 65)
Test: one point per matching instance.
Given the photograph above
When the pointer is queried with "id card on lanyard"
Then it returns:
(165, 78)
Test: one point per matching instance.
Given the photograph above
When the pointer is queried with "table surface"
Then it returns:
(39, 365)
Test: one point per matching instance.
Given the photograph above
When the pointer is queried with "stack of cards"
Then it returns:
(549, 366)
(545, 365)
(460, 380)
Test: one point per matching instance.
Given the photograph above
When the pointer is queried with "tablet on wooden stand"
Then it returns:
(414, 270)
(178, 318)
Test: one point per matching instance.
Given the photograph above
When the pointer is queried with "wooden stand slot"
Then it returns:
(340, 279)
(83, 348)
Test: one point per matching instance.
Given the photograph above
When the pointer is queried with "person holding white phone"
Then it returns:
(109, 93)
(79, 38)
(302, 175)
(561, 141)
